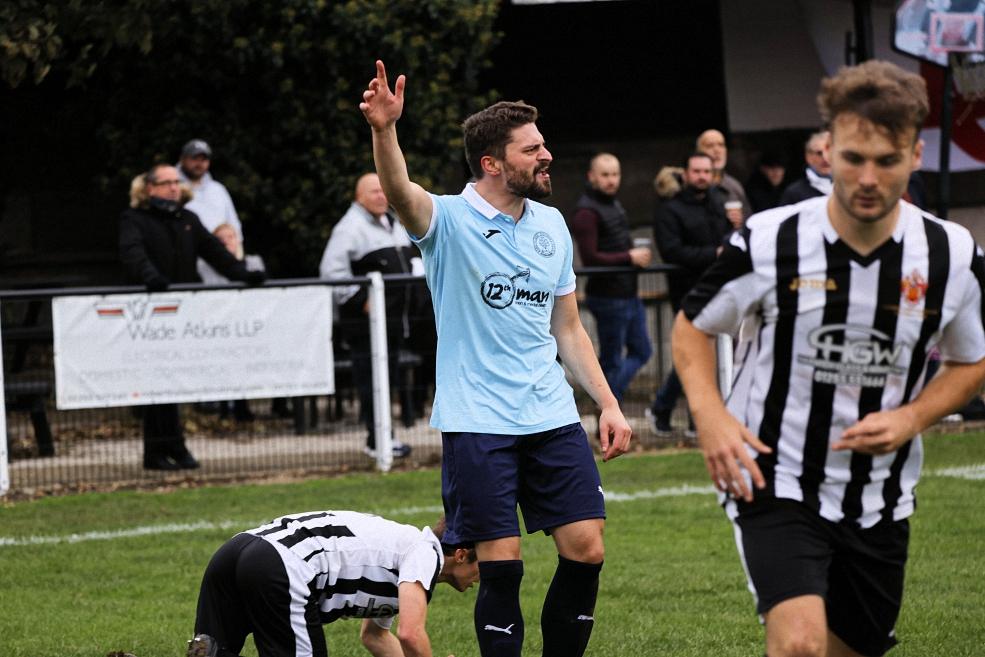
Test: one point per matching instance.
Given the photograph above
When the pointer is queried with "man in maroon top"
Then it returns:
(601, 229)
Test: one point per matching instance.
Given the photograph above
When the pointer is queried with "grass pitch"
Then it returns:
(96, 573)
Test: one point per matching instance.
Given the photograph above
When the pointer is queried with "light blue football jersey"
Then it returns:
(493, 282)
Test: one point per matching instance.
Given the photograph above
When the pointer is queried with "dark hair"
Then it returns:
(448, 549)
(487, 132)
(687, 160)
(879, 92)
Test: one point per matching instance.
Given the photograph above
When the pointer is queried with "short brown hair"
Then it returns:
(439, 528)
(879, 92)
(487, 132)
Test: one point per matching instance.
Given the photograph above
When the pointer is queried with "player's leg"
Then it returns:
(838, 648)
(568, 615)
(285, 621)
(866, 588)
(562, 494)
(786, 550)
(479, 490)
(797, 627)
(221, 616)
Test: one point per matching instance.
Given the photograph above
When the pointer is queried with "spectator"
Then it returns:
(369, 237)
(210, 199)
(817, 175)
(765, 186)
(283, 580)
(230, 239)
(159, 241)
(688, 230)
(601, 228)
(712, 142)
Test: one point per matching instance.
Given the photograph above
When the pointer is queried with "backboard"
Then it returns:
(932, 29)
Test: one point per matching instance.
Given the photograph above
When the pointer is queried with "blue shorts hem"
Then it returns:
(566, 520)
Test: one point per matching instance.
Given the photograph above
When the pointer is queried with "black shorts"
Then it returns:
(246, 590)
(789, 550)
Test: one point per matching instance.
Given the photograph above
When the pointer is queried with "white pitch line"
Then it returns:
(177, 528)
(970, 472)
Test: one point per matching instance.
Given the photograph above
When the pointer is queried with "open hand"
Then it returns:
(723, 442)
(878, 433)
(380, 106)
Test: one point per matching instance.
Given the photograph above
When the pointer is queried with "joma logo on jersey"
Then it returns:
(813, 284)
(864, 361)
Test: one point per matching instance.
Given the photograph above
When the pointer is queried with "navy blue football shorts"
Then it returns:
(552, 475)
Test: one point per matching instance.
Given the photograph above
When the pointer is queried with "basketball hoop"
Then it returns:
(969, 76)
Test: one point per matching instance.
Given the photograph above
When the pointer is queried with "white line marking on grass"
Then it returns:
(177, 528)
(676, 491)
(971, 472)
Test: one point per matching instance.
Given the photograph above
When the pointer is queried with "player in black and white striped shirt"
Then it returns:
(837, 301)
(283, 580)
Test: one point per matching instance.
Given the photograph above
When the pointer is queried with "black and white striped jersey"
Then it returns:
(826, 336)
(351, 564)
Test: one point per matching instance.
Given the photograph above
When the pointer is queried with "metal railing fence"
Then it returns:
(50, 449)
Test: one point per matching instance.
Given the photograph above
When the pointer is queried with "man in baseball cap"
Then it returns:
(210, 198)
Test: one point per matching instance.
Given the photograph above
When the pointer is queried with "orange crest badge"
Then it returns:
(913, 288)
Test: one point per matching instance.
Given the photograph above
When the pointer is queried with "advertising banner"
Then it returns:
(170, 347)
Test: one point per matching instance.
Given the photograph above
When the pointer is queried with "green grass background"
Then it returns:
(672, 583)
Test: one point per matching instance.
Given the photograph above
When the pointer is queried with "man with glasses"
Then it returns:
(159, 242)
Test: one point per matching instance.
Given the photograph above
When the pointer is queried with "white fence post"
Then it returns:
(723, 351)
(4, 475)
(381, 372)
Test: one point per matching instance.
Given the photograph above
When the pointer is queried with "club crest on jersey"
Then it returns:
(500, 290)
(913, 288)
(544, 244)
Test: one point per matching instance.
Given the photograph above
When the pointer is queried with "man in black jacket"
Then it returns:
(689, 230)
(159, 244)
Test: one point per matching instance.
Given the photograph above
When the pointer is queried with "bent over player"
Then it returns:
(499, 267)
(282, 581)
(840, 299)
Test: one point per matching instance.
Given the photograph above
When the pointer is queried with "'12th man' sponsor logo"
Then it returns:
(500, 290)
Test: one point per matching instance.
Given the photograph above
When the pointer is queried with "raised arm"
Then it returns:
(382, 108)
(578, 355)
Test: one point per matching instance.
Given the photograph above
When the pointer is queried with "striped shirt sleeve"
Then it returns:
(724, 295)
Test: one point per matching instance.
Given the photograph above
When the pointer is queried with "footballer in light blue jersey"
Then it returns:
(499, 267)
(493, 281)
